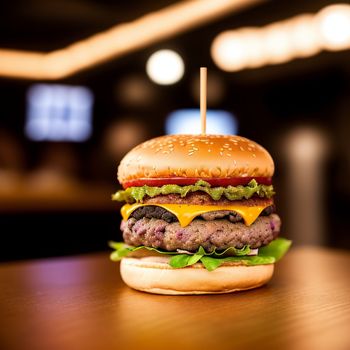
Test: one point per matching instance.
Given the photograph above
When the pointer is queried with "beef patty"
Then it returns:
(152, 211)
(201, 198)
(219, 233)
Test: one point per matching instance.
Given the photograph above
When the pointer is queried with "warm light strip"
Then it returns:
(302, 36)
(117, 41)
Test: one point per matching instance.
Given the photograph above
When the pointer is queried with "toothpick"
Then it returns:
(203, 98)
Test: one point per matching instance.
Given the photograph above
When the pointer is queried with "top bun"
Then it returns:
(202, 156)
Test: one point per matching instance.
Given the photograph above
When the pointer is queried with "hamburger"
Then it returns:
(199, 215)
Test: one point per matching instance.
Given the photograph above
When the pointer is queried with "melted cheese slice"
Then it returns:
(185, 213)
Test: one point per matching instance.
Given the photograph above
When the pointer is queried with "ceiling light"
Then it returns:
(301, 36)
(165, 67)
(228, 51)
(117, 41)
(334, 25)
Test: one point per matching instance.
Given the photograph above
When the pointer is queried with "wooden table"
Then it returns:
(81, 303)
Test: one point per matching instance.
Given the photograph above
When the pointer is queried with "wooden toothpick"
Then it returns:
(203, 99)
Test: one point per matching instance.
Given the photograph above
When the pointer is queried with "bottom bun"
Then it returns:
(153, 274)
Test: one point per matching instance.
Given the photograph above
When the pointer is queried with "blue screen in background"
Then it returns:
(187, 121)
(59, 113)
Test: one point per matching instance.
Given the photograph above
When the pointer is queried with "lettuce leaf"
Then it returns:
(276, 248)
(121, 248)
(137, 194)
(212, 260)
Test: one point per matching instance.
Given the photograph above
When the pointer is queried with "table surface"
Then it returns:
(81, 303)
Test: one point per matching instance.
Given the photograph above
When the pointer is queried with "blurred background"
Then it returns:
(83, 81)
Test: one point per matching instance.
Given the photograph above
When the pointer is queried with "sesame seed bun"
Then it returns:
(153, 274)
(202, 156)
